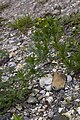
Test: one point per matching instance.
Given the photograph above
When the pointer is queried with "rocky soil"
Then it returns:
(44, 103)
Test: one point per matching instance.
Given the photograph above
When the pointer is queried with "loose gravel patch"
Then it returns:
(42, 104)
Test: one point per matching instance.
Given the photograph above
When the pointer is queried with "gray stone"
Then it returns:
(50, 114)
(32, 100)
(48, 87)
(12, 64)
(69, 78)
(45, 81)
(25, 118)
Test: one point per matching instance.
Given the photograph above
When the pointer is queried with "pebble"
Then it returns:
(60, 110)
(14, 49)
(49, 100)
(32, 100)
(50, 114)
(69, 78)
(19, 66)
(46, 82)
(43, 92)
(5, 78)
(19, 107)
(78, 110)
(56, 12)
(48, 87)
(40, 118)
(25, 118)
(12, 64)
(47, 94)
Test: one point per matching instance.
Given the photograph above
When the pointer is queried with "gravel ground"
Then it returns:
(41, 104)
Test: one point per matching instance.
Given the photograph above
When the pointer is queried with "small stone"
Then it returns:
(19, 107)
(69, 78)
(42, 92)
(41, 82)
(78, 110)
(47, 94)
(48, 79)
(12, 54)
(60, 110)
(50, 114)
(4, 78)
(19, 58)
(13, 110)
(56, 12)
(25, 118)
(49, 100)
(77, 100)
(18, 44)
(40, 110)
(12, 64)
(48, 88)
(40, 118)
(58, 81)
(77, 87)
(32, 100)
(19, 66)
(30, 87)
(45, 81)
(14, 48)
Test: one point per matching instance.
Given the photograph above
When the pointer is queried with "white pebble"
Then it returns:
(78, 110)
(48, 88)
(60, 110)
(69, 78)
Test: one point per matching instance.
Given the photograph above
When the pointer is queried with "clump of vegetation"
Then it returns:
(12, 90)
(4, 6)
(3, 54)
(47, 36)
(17, 117)
(22, 24)
(46, 31)
(15, 88)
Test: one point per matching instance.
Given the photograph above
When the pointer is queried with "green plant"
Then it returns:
(13, 90)
(46, 30)
(47, 35)
(69, 49)
(17, 117)
(22, 24)
(1, 21)
(3, 54)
